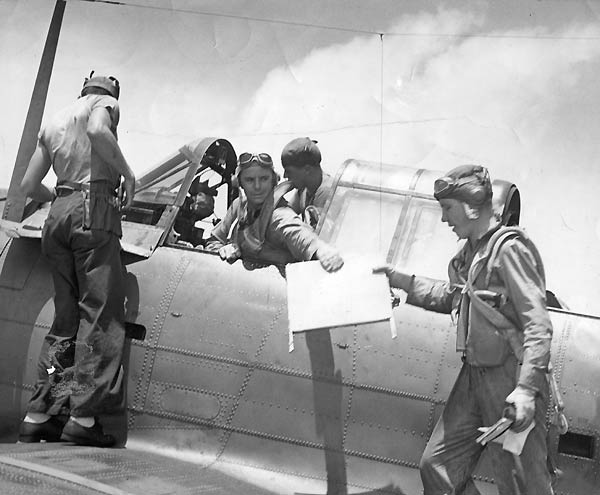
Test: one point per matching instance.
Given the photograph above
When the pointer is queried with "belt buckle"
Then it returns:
(62, 191)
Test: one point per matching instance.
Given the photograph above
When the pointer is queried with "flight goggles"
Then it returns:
(246, 159)
(445, 186)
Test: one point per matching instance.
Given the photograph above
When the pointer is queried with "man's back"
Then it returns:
(65, 137)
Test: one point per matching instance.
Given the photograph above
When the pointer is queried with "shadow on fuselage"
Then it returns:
(25, 305)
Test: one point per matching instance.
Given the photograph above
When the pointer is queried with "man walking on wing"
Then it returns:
(504, 332)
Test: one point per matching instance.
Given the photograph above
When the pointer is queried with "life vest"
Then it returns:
(250, 236)
(491, 348)
(491, 336)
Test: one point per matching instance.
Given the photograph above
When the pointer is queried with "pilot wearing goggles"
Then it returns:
(505, 342)
(260, 230)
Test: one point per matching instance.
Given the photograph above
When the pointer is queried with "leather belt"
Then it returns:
(66, 188)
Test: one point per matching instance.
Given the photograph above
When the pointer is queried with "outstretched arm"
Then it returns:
(302, 241)
(398, 280)
(329, 257)
(431, 294)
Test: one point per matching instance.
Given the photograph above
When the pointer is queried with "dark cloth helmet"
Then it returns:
(107, 83)
(299, 152)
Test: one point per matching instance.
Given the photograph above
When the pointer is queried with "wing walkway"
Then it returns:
(64, 469)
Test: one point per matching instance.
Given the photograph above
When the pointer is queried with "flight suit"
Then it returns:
(79, 369)
(275, 235)
(487, 378)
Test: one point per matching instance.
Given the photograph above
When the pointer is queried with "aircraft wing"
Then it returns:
(66, 469)
(30, 227)
(137, 239)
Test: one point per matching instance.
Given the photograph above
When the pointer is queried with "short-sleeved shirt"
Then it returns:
(301, 201)
(65, 137)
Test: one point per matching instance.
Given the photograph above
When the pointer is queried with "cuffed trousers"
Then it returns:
(79, 369)
(451, 455)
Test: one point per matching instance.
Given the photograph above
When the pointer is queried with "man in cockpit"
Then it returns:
(301, 161)
(198, 205)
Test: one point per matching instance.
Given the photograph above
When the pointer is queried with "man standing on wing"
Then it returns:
(79, 370)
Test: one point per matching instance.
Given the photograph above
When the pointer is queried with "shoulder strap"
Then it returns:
(499, 238)
(280, 191)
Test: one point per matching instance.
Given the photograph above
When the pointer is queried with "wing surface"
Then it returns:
(57, 468)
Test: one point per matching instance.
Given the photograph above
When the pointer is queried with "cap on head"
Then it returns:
(468, 183)
(107, 83)
(299, 152)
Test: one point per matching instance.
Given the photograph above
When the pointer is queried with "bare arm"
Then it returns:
(106, 145)
(39, 164)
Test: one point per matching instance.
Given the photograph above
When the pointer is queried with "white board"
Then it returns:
(353, 295)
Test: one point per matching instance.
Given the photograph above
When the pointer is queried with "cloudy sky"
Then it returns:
(511, 85)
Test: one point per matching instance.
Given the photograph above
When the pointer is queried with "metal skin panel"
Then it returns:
(287, 459)
(13, 275)
(298, 415)
(401, 480)
(579, 368)
(172, 437)
(579, 476)
(224, 312)
(403, 422)
(16, 337)
(576, 361)
(306, 358)
(24, 310)
(411, 362)
(219, 379)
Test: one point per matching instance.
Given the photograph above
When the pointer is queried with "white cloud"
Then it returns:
(507, 100)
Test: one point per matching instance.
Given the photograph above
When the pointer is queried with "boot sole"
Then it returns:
(83, 441)
(37, 439)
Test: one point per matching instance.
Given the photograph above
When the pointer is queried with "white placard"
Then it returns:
(350, 296)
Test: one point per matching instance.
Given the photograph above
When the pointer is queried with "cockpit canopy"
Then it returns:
(388, 213)
(382, 211)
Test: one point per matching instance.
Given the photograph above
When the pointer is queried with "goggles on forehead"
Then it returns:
(262, 158)
(447, 185)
